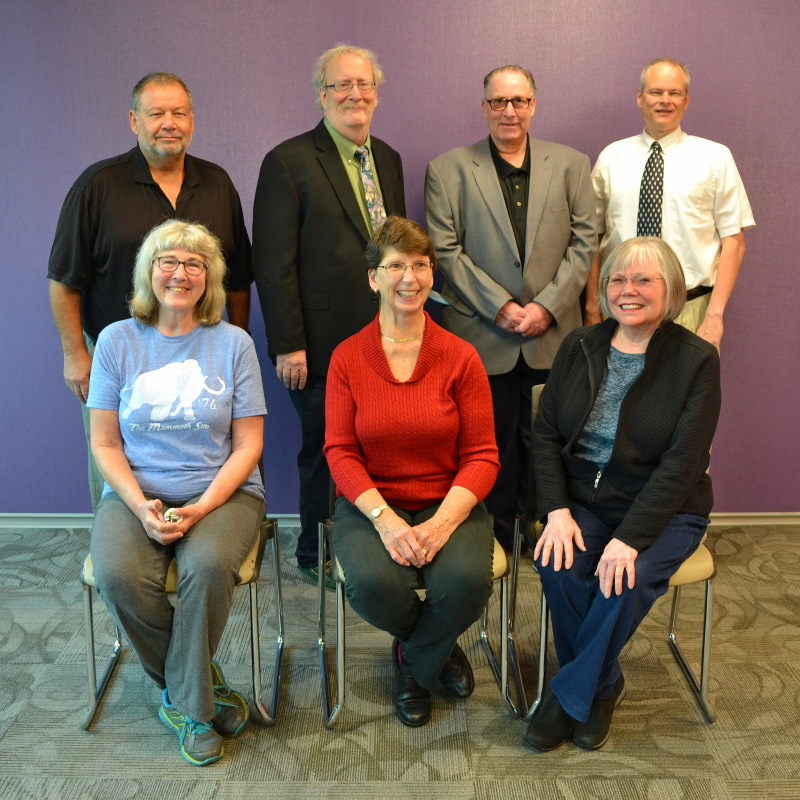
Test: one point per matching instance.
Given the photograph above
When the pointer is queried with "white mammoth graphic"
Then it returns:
(179, 381)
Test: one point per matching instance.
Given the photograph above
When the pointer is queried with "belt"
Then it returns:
(698, 291)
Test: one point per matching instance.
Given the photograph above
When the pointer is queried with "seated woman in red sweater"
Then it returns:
(410, 444)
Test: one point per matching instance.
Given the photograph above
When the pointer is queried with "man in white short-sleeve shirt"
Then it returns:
(705, 209)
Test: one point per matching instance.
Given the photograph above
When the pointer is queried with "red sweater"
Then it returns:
(414, 440)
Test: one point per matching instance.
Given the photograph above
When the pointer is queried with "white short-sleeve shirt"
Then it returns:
(704, 198)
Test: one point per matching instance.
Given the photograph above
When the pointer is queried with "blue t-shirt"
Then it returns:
(176, 397)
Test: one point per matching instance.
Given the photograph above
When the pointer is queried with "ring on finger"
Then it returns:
(424, 551)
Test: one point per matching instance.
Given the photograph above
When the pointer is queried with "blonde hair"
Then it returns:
(653, 251)
(177, 234)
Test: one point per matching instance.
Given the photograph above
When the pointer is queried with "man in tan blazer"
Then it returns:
(513, 222)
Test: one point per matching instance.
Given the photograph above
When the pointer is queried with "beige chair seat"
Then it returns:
(248, 575)
(501, 572)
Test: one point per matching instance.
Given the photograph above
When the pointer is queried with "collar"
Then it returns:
(429, 353)
(505, 168)
(345, 146)
(668, 142)
(142, 174)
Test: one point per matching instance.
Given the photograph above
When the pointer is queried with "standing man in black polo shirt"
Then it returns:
(513, 222)
(111, 207)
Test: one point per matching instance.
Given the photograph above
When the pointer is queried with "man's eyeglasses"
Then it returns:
(365, 87)
(191, 266)
(396, 268)
(500, 103)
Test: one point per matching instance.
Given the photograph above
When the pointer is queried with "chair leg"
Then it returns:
(96, 692)
(269, 715)
(542, 666)
(329, 714)
(508, 647)
(700, 688)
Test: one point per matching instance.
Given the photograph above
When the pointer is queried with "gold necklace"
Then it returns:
(397, 341)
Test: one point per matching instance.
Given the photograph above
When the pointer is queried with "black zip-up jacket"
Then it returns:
(667, 421)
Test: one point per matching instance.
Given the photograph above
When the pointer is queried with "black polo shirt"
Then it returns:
(109, 210)
(514, 183)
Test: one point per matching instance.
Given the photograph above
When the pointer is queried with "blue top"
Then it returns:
(176, 397)
(596, 440)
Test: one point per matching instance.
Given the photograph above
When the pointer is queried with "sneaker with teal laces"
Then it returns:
(230, 709)
(198, 742)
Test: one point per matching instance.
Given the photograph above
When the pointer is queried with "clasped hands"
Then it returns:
(562, 534)
(410, 546)
(152, 518)
(532, 319)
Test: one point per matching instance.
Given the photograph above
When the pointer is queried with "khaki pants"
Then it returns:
(693, 313)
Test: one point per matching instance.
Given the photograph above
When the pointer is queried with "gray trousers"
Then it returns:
(174, 645)
(96, 482)
(458, 583)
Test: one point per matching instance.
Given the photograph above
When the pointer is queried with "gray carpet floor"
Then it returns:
(660, 747)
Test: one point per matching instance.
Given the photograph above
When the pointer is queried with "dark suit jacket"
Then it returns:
(477, 252)
(309, 238)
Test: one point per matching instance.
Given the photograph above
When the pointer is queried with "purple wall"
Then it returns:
(68, 68)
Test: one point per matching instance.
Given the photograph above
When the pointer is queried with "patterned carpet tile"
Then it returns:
(757, 733)
(603, 789)
(660, 746)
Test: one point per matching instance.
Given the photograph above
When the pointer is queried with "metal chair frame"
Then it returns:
(500, 667)
(269, 715)
(699, 686)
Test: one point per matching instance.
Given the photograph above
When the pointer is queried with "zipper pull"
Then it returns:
(597, 479)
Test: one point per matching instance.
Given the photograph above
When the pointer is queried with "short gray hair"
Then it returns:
(665, 60)
(512, 68)
(177, 234)
(318, 75)
(649, 250)
(159, 79)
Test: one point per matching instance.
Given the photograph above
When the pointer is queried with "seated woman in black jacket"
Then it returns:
(621, 448)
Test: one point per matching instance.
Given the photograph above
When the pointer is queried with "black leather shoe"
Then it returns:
(593, 734)
(550, 727)
(412, 702)
(456, 675)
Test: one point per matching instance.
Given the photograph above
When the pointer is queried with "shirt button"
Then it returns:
(518, 203)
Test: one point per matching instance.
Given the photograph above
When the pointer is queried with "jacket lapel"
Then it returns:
(541, 175)
(489, 186)
(331, 163)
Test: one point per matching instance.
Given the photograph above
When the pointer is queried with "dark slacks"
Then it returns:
(315, 477)
(458, 583)
(511, 400)
(590, 630)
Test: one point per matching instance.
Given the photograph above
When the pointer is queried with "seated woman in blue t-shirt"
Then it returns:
(177, 424)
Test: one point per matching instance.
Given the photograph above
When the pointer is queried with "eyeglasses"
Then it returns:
(365, 87)
(617, 283)
(500, 103)
(673, 94)
(191, 266)
(396, 268)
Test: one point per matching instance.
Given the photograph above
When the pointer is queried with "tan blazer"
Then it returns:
(474, 240)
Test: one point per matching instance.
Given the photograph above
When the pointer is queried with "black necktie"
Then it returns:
(651, 194)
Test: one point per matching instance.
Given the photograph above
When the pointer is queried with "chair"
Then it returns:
(248, 573)
(501, 570)
(698, 568)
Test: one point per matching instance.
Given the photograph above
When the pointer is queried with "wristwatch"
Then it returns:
(376, 512)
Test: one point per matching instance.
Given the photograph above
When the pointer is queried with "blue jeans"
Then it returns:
(382, 592)
(590, 630)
